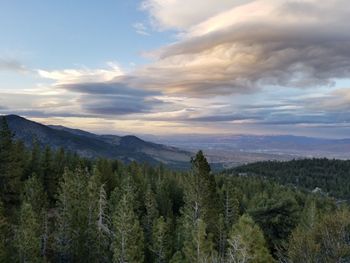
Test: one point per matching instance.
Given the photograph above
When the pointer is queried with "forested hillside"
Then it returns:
(127, 148)
(59, 207)
(331, 177)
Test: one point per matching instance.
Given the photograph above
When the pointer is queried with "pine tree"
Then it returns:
(303, 247)
(3, 234)
(231, 204)
(103, 227)
(59, 163)
(149, 217)
(205, 197)
(9, 174)
(167, 205)
(221, 239)
(200, 187)
(73, 217)
(49, 179)
(19, 160)
(229, 216)
(128, 241)
(34, 194)
(333, 236)
(247, 244)
(177, 258)
(277, 216)
(199, 248)
(6, 142)
(108, 177)
(302, 244)
(98, 228)
(28, 237)
(35, 161)
(160, 241)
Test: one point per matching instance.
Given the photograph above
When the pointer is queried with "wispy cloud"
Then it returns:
(67, 76)
(255, 43)
(141, 29)
(182, 14)
(12, 65)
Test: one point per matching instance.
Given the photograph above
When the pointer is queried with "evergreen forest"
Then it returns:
(56, 206)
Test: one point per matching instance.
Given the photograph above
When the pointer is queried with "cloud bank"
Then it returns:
(234, 65)
(252, 44)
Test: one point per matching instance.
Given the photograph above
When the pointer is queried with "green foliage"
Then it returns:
(302, 246)
(64, 208)
(35, 195)
(161, 246)
(11, 166)
(72, 220)
(28, 239)
(199, 247)
(231, 206)
(34, 166)
(206, 192)
(128, 237)
(277, 216)
(247, 243)
(49, 175)
(331, 176)
(3, 234)
(324, 242)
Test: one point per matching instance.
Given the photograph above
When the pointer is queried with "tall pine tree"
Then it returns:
(9, 174)
(200, 247)
(128, 243)
(28, 238)
(161, 241)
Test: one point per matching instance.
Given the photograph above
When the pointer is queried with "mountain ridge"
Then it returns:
(125, 148)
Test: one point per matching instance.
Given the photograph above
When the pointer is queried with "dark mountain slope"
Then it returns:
(125, 148)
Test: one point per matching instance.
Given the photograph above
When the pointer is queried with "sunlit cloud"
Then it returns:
(234, 66)
(302, 44)
(67, 76)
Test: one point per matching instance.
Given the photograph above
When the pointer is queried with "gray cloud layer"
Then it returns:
(291, 44)
(113, 98)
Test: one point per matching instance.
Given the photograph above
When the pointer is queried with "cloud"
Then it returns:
(67, 76)
(181, 14)
(113, 98)
(12, 65)
(256, 64)
(113, 105)
(224, 118)
(141, 29)
(102, 91)
(251, 45)
(106, 88)
(337, 101)
(38, 105)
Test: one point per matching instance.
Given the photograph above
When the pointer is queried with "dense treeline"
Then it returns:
(58, 207)
(331, 176)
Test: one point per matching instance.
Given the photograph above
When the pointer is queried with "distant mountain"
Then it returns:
(222, 151)
(233, 150)
(125, 148)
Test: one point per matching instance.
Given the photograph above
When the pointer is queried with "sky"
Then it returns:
(173, 67)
